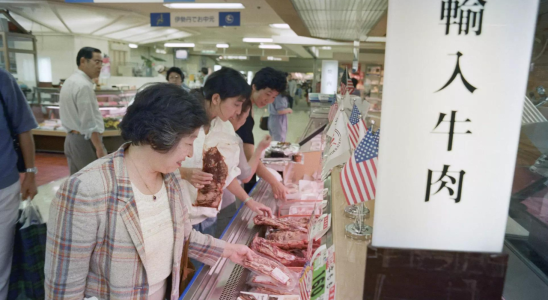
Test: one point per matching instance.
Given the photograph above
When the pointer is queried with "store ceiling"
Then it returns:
(131, 23)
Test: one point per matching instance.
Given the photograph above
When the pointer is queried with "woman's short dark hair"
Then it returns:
(161, 115)
(227, 83)
(269, 78)
(246, 105)
(175, 70)
(87, 53)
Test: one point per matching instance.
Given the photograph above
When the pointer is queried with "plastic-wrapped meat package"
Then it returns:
(252, 296)
(280, 274)
(289, 240)
(287, 224)
(266, 247)
(211, 194)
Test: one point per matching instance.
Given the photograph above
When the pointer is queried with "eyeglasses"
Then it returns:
(97, 61)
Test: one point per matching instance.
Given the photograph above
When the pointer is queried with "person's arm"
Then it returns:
(72, 236)
(196, 177)
(97, 142)
(278, 188)
(92, 126)
(285, 111)
(22, 120)
(253, 162)
(28, 186)
(236, 189)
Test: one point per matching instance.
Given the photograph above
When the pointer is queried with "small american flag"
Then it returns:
(305, 282)
(359, 175)
(355, 127)
(346, 83)
(333, 111)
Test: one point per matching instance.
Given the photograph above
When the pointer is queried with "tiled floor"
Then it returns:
(521, 282)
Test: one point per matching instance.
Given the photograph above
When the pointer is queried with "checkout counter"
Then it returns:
(226, 280)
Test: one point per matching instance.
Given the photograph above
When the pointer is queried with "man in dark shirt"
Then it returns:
(16, 118)
(266, 85)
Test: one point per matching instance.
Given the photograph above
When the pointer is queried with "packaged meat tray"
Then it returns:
(281, 276)
(286, 258)
(287, 224)
(299, 208)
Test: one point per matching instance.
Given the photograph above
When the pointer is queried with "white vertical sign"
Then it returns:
(455, 77)
(330, 76)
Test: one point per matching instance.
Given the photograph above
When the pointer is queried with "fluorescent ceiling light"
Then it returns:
(179, 45)
(233, 57)
(280, 26)
(208, 52)
(222, 45)
(270, 46)
(161, 51)
(257, 40)
(133, 46)
(205, 5)
(326, 48)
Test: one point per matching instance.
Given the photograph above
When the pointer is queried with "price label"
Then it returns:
(318, 283)
(321, 226)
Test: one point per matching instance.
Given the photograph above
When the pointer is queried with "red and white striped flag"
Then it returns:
(305, 282)
(356, 127)
(346, 83)
(333, 111)
(359, 175)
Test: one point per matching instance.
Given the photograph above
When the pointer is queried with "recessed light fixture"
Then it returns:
(270, 46)
(258, 40)
(280, 26)
(222, 45)
(133, 46)
(205, 5)
(326, 48)
(179, 45)
(161, 51)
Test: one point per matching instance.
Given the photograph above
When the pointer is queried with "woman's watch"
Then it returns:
(32, 170)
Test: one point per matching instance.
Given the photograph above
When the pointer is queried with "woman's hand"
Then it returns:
(196, 177)
(279, 190)
(237, 253)
(259, 208)
(265, 143)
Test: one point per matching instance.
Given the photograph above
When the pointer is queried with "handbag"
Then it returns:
(29, 255)
(15, 138)
(187, 269)
(263, 122)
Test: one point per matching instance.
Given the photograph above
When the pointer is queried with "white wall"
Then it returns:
(81, 42)
(60, 49)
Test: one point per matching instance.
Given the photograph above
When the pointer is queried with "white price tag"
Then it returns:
(321, 226)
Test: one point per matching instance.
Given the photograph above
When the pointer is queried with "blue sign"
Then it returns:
(229, 18)
(160, 19)
(119, 1)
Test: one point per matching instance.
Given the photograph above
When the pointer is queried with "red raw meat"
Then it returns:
(268, 267)
(211, 194)
(283, 224)
(289, 240)
(267, 248)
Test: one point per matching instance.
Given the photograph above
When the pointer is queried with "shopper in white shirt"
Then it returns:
(79, 112)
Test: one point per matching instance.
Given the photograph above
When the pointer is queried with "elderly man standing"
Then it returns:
(79, 112)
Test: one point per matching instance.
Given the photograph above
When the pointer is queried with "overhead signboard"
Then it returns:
(330, 76)
(127, 1)
(274, 58)
(195, 19)
(451, 115)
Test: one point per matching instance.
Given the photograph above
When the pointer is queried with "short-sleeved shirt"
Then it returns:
(22, 120)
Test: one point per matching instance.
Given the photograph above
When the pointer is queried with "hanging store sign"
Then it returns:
(274, 58)
(330, 76)
(450, 123)
(195, 19)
